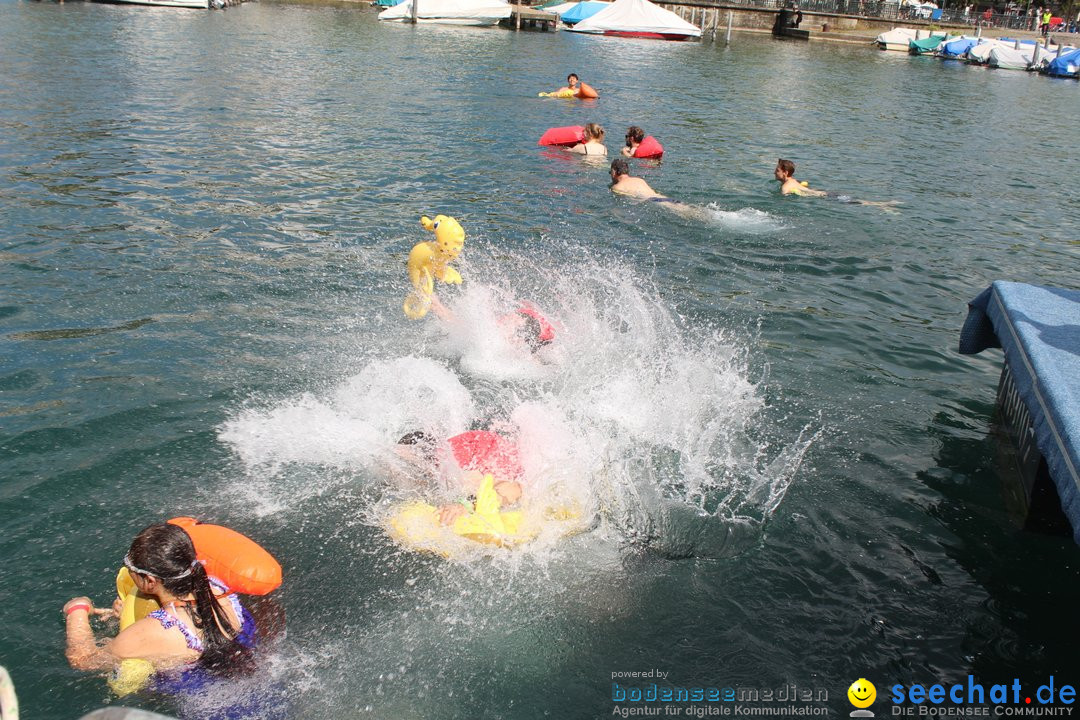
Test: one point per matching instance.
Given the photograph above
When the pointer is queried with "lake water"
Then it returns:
(788, 468)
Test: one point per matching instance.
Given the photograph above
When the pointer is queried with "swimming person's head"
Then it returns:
(421, 444)
(784, 169)
(619, 167)
(163, 557)
(634, 136)
(594, 131)
(572, 79)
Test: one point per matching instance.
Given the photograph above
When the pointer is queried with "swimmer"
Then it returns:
(459, 465)
(785, 175)
(593, 144)
(571, 86)
(634, 136)
(196, 634)
(526, 325)
(624, 183)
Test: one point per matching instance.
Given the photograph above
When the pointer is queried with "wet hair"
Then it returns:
(425, 444)
(595, 131)
(530, 332)
(572, 75)
(634, 134)
(787, 166)
(620, 167)
(166, 552)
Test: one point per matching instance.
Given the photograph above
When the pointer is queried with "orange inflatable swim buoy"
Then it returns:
(586, 92)
(234, 559)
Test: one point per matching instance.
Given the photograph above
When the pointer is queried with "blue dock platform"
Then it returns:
(1038, 328)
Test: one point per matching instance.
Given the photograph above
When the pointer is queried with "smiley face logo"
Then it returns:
(862, 693)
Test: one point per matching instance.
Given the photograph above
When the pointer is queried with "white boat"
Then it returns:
(639, 19)
(194, 4)
(449, 12)
(897, 39)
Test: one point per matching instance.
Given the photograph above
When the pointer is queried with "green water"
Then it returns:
(206, 220)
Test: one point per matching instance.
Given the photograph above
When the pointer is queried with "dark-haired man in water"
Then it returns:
(785, 175)
(624, 183)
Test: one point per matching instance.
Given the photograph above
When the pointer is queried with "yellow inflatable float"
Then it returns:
(416, 525)
(430, 261)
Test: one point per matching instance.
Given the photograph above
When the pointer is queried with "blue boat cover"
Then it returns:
(956, 48)
(582, 10)
(1039, 330)
(1061, 66)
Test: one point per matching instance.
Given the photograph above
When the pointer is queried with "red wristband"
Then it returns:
(79, 606)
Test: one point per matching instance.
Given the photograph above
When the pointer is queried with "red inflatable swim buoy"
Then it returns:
(234, 559)
(648, 148)
(566, 136)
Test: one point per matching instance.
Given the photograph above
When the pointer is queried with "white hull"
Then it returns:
(481, 22)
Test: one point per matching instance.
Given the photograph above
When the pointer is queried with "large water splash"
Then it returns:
(645, 418)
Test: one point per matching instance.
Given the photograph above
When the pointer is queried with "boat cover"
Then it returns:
(956, 48)
(1009, 58)
(582, 11)
(1039, 330)
(925, 45)
(450, 9)
(1068, 65)
(639, 16)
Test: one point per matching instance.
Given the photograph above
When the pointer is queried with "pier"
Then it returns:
(1038, 400)
(529, 18)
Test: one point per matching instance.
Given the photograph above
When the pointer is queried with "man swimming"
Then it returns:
(624, 183)
(459, 464)
(785, 175)
(571, 86)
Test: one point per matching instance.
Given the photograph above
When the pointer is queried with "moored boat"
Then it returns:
(638, 19)
(449, 12)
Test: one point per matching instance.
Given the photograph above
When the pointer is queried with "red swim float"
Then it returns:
(649, 148)
(486, 452)
(564, 136)
(547, 330)
(234, 559)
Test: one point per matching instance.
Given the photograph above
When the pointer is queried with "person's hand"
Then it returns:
(626, 151)
(449, 513)
(82, 600)
(509, 492)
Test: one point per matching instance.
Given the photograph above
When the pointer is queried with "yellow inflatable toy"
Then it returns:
(430, 261)
(131, 675)
(568, 93)
(416, 525)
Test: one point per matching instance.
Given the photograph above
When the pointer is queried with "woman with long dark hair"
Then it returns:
(191, 638)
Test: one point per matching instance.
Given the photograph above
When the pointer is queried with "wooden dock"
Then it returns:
(528, 18)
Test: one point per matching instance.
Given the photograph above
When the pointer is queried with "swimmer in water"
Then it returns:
(593, 144)
(624, 183)
(572, 81)
(457, 466)
(634, 136)
(526, 325)
(785, 175)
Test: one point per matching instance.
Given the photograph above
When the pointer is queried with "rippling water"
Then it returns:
(206, 217)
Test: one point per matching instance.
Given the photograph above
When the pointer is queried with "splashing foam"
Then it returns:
(648, 421)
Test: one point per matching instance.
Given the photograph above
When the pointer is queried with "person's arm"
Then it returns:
(579, 149)
(509, 492)
(82, 649)
(440, 310)
(627, 151)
